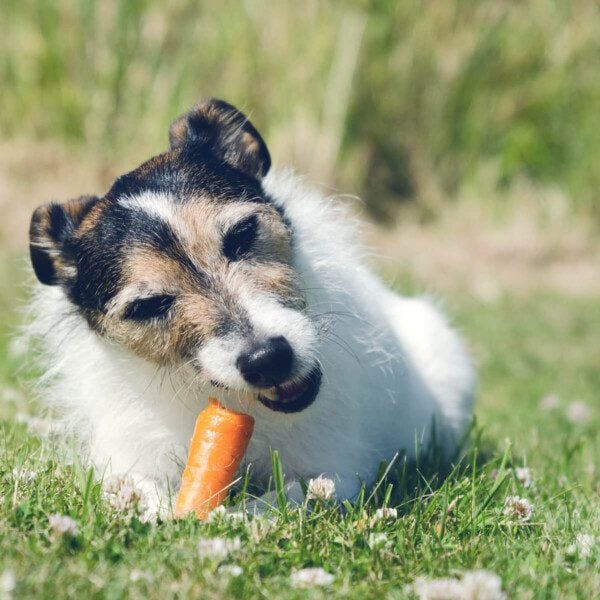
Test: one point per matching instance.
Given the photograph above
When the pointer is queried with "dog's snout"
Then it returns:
(266, 363)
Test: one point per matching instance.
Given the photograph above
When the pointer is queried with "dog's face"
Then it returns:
(186, 261)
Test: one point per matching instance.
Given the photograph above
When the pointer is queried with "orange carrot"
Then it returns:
(217, 447)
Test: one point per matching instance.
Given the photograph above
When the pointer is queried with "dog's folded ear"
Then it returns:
(50, 238)
(225, 132)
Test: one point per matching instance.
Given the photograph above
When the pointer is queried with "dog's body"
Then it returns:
(350, 374)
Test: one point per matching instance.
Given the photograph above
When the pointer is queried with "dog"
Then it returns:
(204, 272)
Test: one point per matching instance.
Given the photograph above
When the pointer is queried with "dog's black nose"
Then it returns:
(266, 363)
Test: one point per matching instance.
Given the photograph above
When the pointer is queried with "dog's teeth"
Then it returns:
(270, 394)
(284, 393)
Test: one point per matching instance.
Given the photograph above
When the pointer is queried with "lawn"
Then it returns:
(470, 128)
(537, 408)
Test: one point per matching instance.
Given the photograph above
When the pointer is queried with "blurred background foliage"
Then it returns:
(398, 101)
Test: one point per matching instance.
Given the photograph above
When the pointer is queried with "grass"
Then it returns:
(525, 348)
(429, 101)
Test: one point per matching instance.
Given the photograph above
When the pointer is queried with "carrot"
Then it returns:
(217, 447)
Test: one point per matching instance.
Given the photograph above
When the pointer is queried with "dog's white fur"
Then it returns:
(392, 366)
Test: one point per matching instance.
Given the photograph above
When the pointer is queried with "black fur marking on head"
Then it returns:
(187, 173)
(61, 226)
(226, 133)
(144, 309)
(51, 228)
(102, 253)
(239, 239)
(216, 153)
(43, 266)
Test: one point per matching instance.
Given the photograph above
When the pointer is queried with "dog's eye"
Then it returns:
(143, 309)
(239, 239)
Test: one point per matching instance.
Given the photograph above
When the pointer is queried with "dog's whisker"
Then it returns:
(342, 314)
(184, 389)
(184, 365)
(342, 347)
(149, 385)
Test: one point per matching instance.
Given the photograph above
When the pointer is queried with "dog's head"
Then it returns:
(187, 261)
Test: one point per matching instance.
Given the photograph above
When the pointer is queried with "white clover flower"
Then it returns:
(518, 508)
(261, 526)
(320, 488)
(23, 474)
(378, 540)
(482, 585)
(313, 577)
(62, 525)
(385, 514)
(139, 575)
(524, 476)
(236, 516)
(216, 513)
(445, 588)
(584, 545)
(550, 402)
(122, 494)
(474, 585)
(10, 395)
(217, 547)
(8, 583)
(221, 513)
(231, 570)
(578, 412)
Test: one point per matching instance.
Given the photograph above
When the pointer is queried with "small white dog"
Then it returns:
(201, 272)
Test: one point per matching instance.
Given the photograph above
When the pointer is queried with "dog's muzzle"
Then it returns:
(267, 365)
(293, 396)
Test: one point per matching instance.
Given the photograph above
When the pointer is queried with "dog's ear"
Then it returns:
(226, 133)
(50, 234)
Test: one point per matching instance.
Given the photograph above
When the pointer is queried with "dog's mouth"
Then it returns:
(293, 396)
